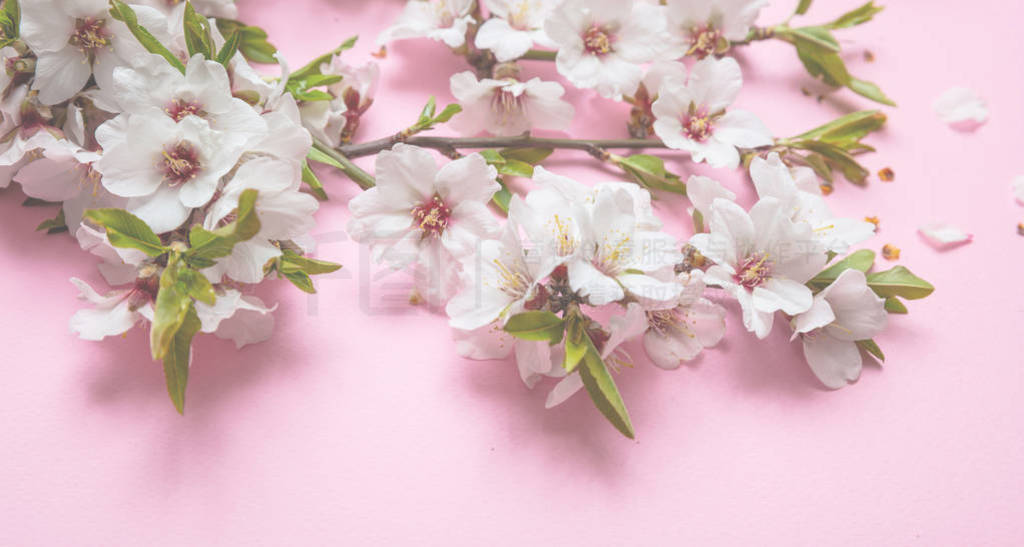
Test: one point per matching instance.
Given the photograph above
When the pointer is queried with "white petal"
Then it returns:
(742, 129)
(467, 179)
(161, 210)
(702, 191)
(783, 294)
(941, 235)
(253, 322)
(958, 105)
(533, 359)
(61, 74)
(564, 389)
(1018, 189)
(835, 362)
(483, 344)
(599, 289)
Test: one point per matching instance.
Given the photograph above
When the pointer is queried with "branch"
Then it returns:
(522, 141)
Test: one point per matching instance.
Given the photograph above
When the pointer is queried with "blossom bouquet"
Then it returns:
(188, 172)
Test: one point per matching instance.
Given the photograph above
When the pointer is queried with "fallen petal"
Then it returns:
(961, 108)
(1018, 189)
(943, 236)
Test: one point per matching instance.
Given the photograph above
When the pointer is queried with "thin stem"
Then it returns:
(523, 141)
(539, 55)
(354, 172)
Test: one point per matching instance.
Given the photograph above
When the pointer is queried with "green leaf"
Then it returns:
(649, 171)
(839, 159)
(899, 281)
(849, 128)
(894, 305)
(197, 286)
(515, 168)
(310, 178)
(54, 225)
(536, 325)
(253, 42)
(492, 157)
(872, 348)
(219, 243)
(301, 280)
(803, 6)
(312, 68)
(869, 90)
(198, 37)
(122, 12)
(502, 197)
(315, 154)
(126, 230)
(577, 342)
(601, 387)
(819, 37)
(230, 48)
(427, 113)
(447, 113)
(12, 18)
(533, 156)
(172, 305)
(178, 357)
(858, 16)
(295, 262)
(822, 63)
(861, 260)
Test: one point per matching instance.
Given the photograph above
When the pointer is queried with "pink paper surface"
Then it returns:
(358, 424)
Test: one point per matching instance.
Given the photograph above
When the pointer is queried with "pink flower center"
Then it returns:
(698, 124)
(90, 35)
(667, 322)
(597, 40)
(704, 40)
(506, 104)
(432, 216)
(180, 163)
(754, 271)
(179, 109)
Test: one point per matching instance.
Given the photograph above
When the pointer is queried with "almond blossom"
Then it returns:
(681, 330)
(842, 313)
(514, 28)
(761, 258)
(420, 214)
(961, 108)
(706, 27)
(335, 121)
(692, 115)
(508, 106)
(76, 39)
(603, 43)
(442, 20)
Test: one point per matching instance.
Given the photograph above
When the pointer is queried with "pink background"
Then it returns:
(359, 423)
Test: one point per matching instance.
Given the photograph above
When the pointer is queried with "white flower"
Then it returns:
(762, 258)
(284, 213)
(75, 39)
(941, 235)
(166, 168)
(602, 43)
(615, 256)
(692, 116)
(337, 119)
(704, 28)
(120, 265)
(703, 191)
(843, 313)
(499, 280)
(961, 108)
(621, 328)
(509, 107)
(115, 312)
(679, 332)
(243, 319)
(803, 200)
(204, 91)
(515, 26)
(210, 8)
(443, 20)
(61, 171)
(534, 359)
(1018, 189)
(418, 213)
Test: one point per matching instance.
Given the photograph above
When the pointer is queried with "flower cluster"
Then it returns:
(171, 159)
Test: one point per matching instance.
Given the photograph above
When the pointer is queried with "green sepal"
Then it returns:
(126, 230)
